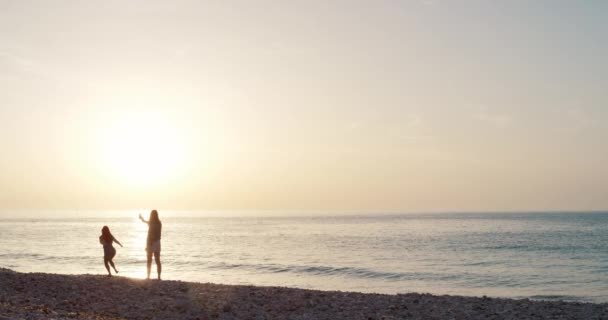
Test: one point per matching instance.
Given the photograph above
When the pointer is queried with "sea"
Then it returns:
(545, 256)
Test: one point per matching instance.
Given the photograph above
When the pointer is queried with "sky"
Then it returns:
(333, 106)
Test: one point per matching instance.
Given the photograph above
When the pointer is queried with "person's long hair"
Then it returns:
(154, 217)
(106, 235)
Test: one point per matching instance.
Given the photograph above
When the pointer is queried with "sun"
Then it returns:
(142, 148)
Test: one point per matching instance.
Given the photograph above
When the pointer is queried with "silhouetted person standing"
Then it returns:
(153, 242)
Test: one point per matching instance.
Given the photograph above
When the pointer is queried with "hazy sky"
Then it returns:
(304, 105)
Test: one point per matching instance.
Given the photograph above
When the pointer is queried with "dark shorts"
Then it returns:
(109, 252)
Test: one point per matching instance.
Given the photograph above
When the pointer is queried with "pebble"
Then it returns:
(52, 296)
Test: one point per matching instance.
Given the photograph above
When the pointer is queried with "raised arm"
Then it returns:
(142, 218)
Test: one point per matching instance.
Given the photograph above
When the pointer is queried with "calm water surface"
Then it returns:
(537, 255)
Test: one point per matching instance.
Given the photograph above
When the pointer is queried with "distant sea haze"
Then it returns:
(534, 255)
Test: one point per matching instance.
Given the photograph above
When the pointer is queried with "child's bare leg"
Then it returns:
(113, 266)
(105, 262)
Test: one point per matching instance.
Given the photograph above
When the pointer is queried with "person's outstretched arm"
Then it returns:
(115, 240)
(142, 218)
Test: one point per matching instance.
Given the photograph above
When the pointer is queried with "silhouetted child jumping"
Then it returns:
(107, 239)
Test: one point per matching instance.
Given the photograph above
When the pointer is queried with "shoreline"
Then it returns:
(57, 296)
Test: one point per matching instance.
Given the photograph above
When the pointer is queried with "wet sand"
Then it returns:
(53, 296)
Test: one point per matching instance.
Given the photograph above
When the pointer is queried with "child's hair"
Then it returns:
(106, 235)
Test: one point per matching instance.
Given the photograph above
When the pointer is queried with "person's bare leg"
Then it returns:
(158, 266)
(105, 262)
(113, 266)
(149, 263)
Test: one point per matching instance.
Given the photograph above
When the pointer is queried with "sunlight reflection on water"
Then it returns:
(497, 255)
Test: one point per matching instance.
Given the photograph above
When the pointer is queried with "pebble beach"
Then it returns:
(55, 296)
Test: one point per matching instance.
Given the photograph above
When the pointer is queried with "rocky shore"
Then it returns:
(53, 296)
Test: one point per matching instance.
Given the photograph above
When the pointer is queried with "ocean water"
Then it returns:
(536, 255)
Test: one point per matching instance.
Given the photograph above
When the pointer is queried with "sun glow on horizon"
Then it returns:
(142, 148)
(313, 106)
